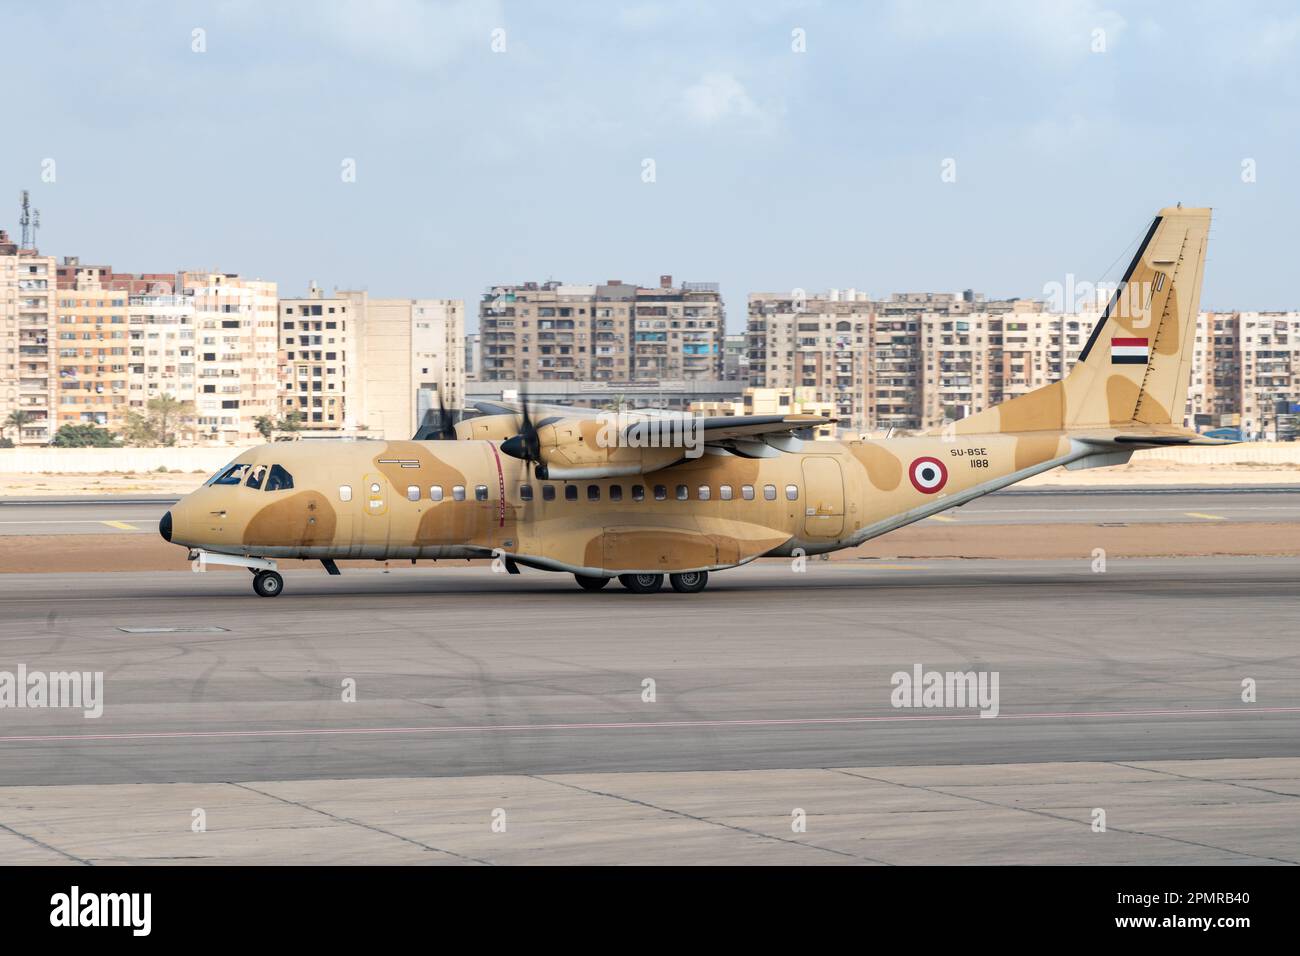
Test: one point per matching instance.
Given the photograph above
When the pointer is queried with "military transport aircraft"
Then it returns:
(655, 495)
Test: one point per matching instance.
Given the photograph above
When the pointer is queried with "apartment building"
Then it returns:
(863, 365)
(27, 308)
(235, 354)
(92, 356)
(1254, 375)
(611, 332)
(317, 348)
(912, 361)
(473, 356)
(355, 363)
(161, 356)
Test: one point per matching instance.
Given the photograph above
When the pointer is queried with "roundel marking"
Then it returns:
(928, 475)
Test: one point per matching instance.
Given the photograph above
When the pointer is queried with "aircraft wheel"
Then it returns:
(268, 584)
(590, 582)
(641, 583)
(689, 582)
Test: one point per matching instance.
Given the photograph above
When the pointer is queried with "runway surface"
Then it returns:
(467, 672)
(482, 698)
(29, 516)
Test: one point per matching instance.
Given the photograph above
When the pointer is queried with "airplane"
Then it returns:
(601, 497)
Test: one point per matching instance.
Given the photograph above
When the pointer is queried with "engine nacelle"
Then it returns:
(601, 448)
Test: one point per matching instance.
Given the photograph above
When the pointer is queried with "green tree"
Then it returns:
(84, 435)
(162, 420)
(16, 420)
(291, 422)
(265, 426)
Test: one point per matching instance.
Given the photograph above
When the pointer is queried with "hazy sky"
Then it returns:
(773, 169)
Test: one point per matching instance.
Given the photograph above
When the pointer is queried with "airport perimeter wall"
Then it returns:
(208, 460)
(118, 460)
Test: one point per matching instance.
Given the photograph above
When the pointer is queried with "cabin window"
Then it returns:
(255, 476)
(548, 492)
(234, 475)
(615, 492)
(412, 492)
(661, 492)
(435, 492)
(593, 492)
(792, 492)
(747, 492)
(570, 492)
(683, 493)
(480, 493)
(724, 492)
(278, 479)
(525, 492)
(704, 492)
(769, 492)
(638, 492)
(458, 493)
(345, 492)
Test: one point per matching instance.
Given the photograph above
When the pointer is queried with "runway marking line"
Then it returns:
(1198, 514)
(646, 725)
(120, 524)
(941, 518)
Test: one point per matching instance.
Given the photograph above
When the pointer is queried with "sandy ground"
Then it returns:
(105, 483)
(146, 552)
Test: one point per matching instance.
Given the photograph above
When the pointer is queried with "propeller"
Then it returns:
(446, 419)
(525, 445)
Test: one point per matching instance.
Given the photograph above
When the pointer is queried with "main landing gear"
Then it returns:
(268, 583)
(689, 582)
(686, 582)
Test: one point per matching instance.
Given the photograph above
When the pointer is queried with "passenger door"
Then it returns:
(370, 532)
(823, 497)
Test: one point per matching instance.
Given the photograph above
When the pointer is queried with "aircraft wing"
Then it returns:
(728, 427)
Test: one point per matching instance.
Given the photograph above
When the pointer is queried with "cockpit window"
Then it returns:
(255, 476)
(278, 479)
(232, 475)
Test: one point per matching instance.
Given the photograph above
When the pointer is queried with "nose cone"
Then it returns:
(165, 526)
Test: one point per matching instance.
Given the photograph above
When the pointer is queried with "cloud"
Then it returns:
(718, 97)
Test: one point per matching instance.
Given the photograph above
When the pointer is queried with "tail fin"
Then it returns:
(1133, 372)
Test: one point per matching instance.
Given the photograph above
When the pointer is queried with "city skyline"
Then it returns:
(797, 145)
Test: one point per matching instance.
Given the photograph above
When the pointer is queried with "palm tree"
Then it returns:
(16, 420)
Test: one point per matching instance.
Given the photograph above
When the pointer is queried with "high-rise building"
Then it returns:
(354, 363)
(236, 351)
(27, 308)
(613, 332)
(473, 356)
(92, 358)
(320, 363)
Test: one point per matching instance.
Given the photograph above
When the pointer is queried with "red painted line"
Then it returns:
(649, 725)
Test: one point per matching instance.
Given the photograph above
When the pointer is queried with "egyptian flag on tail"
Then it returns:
(1129, 351)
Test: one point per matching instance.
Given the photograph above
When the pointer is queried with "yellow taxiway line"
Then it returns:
(120, 524)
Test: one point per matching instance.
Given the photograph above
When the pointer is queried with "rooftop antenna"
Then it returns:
(25, 220)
